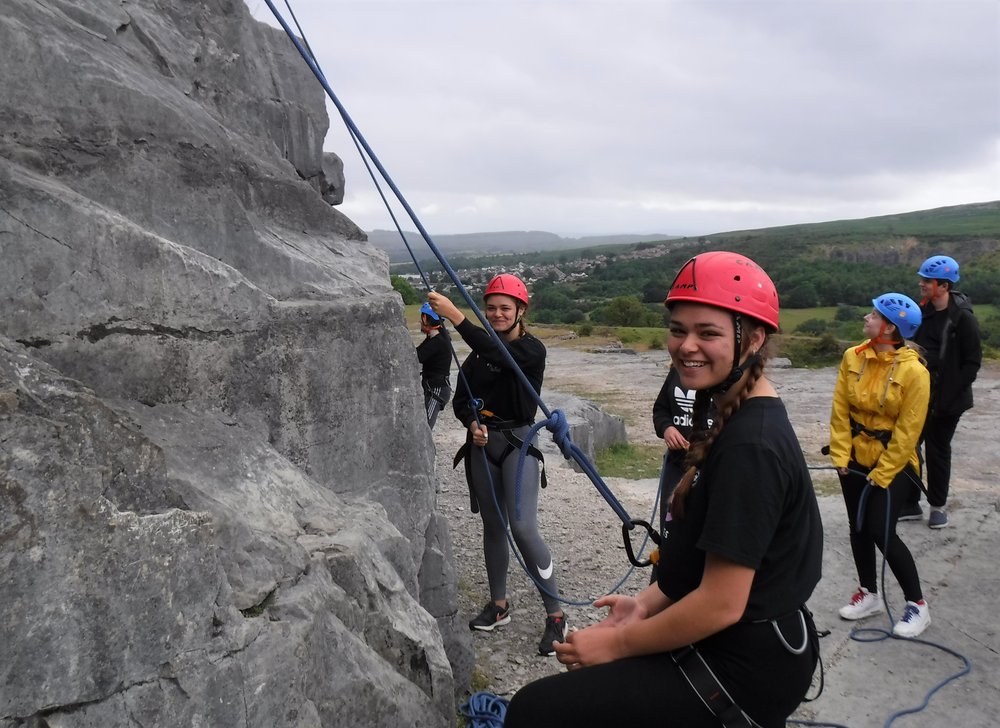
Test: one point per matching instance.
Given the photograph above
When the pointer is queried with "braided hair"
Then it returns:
(704, 436)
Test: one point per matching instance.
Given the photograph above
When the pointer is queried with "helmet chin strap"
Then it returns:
(879, 339)
(739, 369)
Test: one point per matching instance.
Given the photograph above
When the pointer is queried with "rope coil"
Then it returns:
(485, 710)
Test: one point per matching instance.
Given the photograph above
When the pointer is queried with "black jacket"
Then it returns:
(487, 374)
(434, 355)
(953, 349)
(674, 406)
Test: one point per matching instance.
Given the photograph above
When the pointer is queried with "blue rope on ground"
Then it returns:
(485, 710)
(877, 634)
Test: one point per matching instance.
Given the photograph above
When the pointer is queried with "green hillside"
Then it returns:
(838, 266)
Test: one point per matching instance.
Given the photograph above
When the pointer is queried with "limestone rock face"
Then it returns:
(217, 498)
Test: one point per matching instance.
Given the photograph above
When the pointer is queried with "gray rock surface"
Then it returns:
(590, 428)
(217, 503)
(165, 560)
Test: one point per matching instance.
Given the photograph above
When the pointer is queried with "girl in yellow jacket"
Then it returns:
(879, 407)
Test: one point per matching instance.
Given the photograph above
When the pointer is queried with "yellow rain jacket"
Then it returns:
(880, 391)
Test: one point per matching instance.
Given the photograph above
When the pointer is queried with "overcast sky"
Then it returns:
(658, 116)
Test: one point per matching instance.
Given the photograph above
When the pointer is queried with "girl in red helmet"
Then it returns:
(723, 637)
(498, 413)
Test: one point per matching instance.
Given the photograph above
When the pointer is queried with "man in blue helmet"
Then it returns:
(434, 355)
(952, 347)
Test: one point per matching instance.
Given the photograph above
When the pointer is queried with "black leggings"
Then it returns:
(873, 528)
(766, 680)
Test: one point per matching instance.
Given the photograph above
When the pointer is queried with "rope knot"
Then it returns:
(558, 425)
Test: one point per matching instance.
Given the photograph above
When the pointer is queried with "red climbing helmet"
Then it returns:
(730, 281)
(508, 285)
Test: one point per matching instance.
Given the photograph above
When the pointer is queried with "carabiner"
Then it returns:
(651, 534)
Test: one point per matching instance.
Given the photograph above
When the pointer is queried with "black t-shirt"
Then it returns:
(434, 355)
(754, 504)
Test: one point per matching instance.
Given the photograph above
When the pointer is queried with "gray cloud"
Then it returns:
(675, 117)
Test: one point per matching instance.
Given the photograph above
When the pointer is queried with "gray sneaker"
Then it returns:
(937, 518)
(491, 616)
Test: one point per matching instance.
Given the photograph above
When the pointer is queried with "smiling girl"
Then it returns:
(741, 551)
(497, 411)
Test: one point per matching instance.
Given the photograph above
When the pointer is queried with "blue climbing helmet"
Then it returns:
(427, 311)
(940, 267)
(901, 311)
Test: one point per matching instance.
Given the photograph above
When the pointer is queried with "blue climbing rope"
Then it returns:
(564, 442)
(878, 634)
(485, 710)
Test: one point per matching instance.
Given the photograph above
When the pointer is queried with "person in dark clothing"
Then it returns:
(497, 412)
(950, 339)
(725, 630)
(672, 422)
(434, 355)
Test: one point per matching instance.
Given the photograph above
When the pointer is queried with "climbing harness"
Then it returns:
(883, 436)
(713, 693)
(514, 444)
(710, 689)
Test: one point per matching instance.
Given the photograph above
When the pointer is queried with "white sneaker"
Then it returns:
(863, 604)
(916, 618)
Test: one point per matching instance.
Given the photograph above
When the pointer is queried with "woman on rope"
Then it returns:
(434, 355)
(497, 412)
(724, 636)
(879, 407)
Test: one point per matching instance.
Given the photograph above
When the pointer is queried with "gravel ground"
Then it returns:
(584, 534)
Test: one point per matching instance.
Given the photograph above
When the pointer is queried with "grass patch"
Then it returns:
(792, 318)
(479, 682)
(812, 351)
(625, 460)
